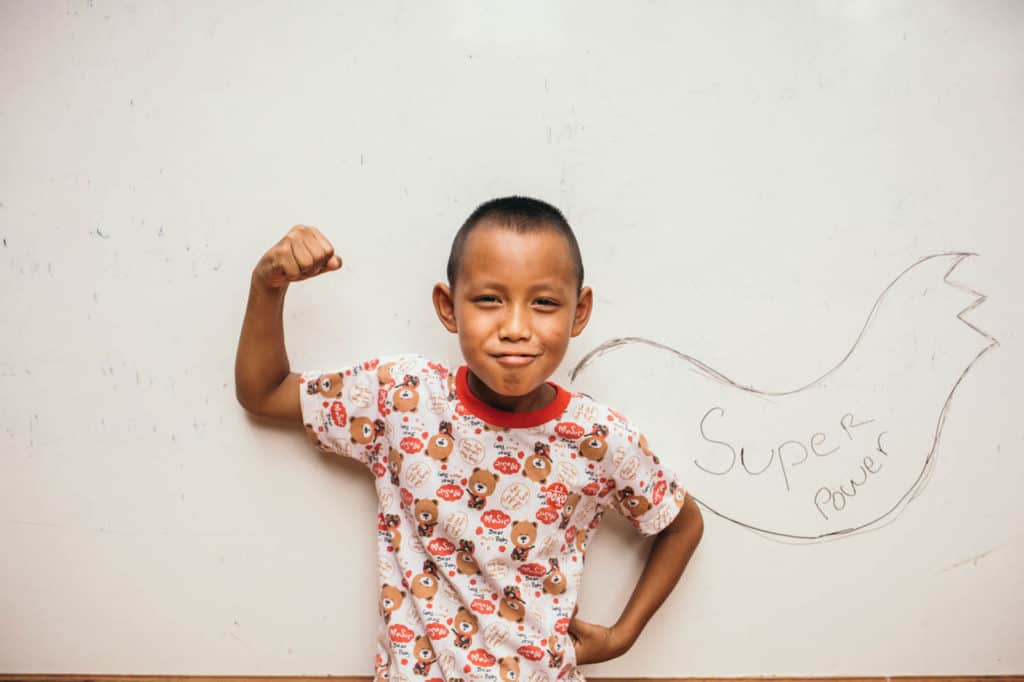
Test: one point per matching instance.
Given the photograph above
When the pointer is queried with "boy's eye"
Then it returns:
(486, 299)
(546, 302)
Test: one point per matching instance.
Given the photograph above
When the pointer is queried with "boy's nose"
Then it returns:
(515, 324)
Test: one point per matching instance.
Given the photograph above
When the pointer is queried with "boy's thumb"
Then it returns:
(333, 263)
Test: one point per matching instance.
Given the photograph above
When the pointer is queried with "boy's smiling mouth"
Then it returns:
(514, 359)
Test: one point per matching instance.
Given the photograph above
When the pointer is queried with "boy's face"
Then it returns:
(514, 308)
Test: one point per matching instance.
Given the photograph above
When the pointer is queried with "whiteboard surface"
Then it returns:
(745, 182)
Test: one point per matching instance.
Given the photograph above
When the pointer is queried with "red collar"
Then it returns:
(515, 420)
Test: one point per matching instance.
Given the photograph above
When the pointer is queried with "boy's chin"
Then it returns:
(508, 387)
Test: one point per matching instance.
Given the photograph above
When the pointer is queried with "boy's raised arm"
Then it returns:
(264, 384)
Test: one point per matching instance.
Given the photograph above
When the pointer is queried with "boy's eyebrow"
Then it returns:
(551, 284)
(469, 285)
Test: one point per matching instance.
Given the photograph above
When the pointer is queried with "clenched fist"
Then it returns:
(302, 253)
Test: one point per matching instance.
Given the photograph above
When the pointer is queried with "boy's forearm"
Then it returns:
(262, 362)
(669, 555)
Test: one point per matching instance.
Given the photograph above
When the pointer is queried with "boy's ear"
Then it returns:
(445, 307)
(584, 304)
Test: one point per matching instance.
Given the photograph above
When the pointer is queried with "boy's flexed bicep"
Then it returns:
(646, 492)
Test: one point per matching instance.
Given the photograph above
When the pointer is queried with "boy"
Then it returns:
(491, 480)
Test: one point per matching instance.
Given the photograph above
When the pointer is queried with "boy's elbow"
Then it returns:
(244, 399)
(245, 405)
(250, 402)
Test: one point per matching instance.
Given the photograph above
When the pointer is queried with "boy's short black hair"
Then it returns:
(521, 214)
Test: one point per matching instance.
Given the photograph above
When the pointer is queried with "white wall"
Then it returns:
(745, 181)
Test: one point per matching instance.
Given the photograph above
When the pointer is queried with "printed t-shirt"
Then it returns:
(484, 515)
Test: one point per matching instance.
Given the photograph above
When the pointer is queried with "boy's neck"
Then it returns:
(531, 402)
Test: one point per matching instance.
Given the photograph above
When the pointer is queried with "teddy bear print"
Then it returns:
(581, 540)
(538, 466)
(464, 559)
(568, 508)
(523, 536)
(327, 385)
(364, 431)
(556, 650)
(441, 443)
(594, 444)
(381, 672)
(511, 606)
(554, 579)
(481, 484)
(395, 458)
(635, 505)
(384, 376)
(646, 450)
(393, 535)
(426, 516)
(508, 668)
(391, 599)
(423, 652)
(407, 398)
(424, 585)
(678, 494)
(464, 627)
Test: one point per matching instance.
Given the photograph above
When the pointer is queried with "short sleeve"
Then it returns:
(342, 409)
(646, 492)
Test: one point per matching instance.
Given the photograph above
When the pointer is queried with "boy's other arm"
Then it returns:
(264, 384)
(671, 551)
